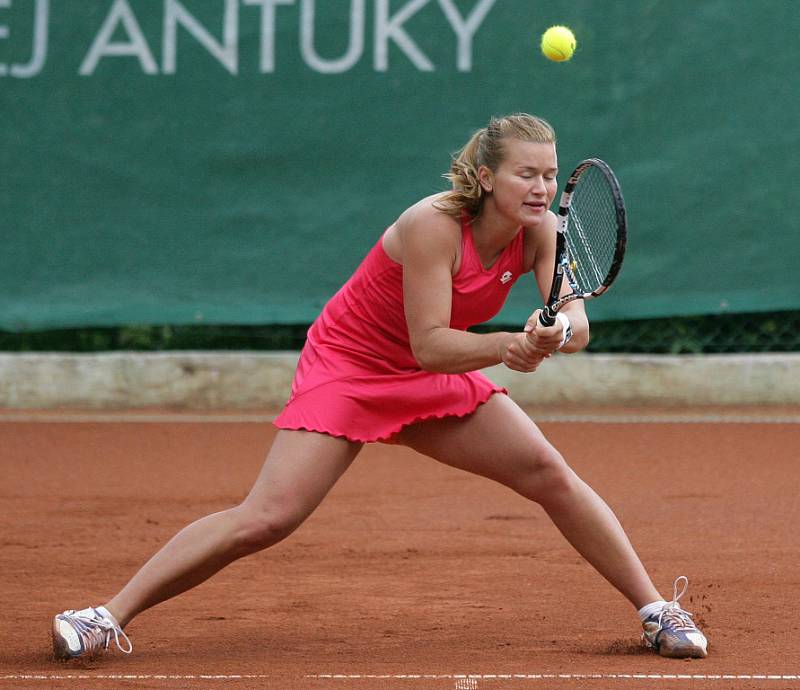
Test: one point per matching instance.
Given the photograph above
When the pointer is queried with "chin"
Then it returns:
(532, 221)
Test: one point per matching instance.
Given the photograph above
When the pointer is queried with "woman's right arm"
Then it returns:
(430, 241)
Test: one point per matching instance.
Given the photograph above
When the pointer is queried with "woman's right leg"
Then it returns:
(300, 469)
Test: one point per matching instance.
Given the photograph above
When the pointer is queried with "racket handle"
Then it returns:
(546, 318)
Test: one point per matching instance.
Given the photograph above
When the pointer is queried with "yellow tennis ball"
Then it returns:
(558, 43)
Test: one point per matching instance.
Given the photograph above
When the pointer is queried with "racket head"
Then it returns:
(596, 228)
(592, 236)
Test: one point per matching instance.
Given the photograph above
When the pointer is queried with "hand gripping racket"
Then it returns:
(592, 233)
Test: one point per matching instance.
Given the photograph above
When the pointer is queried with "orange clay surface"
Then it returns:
(409, 568)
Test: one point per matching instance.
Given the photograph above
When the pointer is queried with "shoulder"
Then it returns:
(423, 226)
(540, 240)
(425, 215)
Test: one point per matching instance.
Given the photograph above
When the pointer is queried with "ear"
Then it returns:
(486, 179)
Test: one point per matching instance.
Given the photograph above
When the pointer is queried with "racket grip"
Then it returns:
(546, 318)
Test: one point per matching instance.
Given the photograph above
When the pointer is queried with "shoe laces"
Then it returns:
(97, 630)
(672, 614)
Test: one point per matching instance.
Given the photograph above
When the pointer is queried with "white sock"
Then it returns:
(649, 609)
(103, 611)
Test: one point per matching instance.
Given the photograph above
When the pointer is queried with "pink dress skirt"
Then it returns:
(357, 377)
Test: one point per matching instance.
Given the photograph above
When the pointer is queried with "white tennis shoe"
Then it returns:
(672, 632)
(87, 632)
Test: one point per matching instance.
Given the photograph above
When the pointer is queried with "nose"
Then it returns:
(538, 184)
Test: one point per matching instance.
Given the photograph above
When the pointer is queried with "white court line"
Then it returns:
(404, 676)
(559, 676)
(194, 418)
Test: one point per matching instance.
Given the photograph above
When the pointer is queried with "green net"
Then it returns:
(218, 161)
(730, 333)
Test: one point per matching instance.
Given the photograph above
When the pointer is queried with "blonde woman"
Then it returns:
(389, 359)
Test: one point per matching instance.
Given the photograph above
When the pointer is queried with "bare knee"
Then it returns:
(262, 527)
(546, 478)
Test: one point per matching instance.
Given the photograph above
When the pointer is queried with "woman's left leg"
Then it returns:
(499, 441)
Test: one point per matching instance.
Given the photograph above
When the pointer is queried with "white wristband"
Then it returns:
(567, 332)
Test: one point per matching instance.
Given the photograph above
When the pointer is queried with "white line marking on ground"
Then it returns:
(403, 676)
(555, 676)
(134, 676)
(193, 418)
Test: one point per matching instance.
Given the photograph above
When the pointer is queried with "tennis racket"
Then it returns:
(591, 238)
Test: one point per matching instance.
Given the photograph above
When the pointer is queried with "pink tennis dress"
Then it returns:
(357, 377)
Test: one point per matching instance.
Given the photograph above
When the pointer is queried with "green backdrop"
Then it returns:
(231, 161)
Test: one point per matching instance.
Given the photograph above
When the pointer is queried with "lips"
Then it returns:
(535, 205)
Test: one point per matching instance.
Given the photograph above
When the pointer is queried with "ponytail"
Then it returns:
(467, 193)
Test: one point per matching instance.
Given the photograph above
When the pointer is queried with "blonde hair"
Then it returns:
(485, 147)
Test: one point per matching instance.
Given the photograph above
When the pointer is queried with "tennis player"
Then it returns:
(389, 359)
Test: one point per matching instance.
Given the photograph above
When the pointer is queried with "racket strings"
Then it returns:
(592, 232)
(588, 270)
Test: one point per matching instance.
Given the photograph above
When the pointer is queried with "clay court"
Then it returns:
(411, 574)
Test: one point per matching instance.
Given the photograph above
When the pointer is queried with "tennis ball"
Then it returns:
(558, 43)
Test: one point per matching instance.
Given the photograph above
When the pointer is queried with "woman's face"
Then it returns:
(524, 185)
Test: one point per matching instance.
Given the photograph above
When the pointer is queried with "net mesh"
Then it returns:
(727, 333)
(718, 334)
(591, 231)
